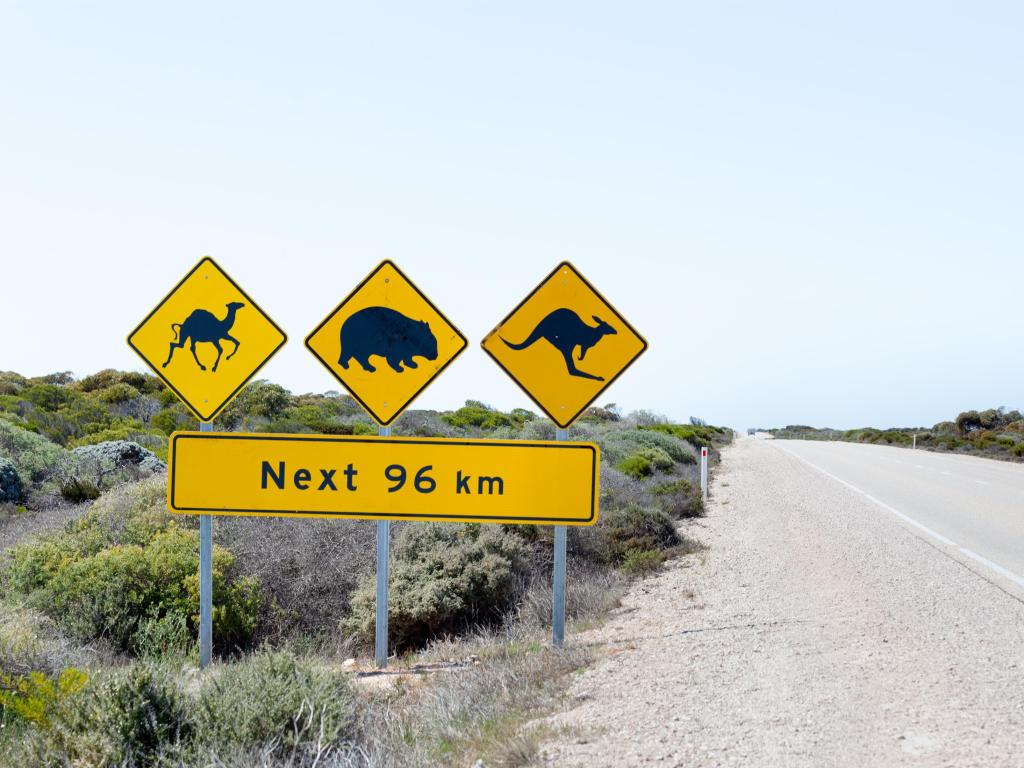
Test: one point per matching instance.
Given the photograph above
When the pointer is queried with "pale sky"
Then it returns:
(813, 211)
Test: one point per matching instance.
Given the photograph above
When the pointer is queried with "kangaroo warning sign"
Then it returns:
(564, 344)
(370, 478)
(206, 339)
(385, 342)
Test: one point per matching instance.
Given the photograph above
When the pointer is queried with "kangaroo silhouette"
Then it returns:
(203, 326)
(565, 331)
(385, 332)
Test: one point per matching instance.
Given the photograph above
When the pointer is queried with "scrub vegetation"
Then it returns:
(99, 590)
(995, 433)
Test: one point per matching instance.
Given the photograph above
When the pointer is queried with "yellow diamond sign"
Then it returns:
(385, 342)
(206, 339)
(564, 344)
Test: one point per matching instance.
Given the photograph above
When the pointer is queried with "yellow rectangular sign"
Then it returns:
(372, 478)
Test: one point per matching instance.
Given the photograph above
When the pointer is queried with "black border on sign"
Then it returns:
(159, 373)
(333, 312)
(497, 328)
(390, 441)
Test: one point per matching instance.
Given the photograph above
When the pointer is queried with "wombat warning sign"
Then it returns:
(564, 344)
(385, 342)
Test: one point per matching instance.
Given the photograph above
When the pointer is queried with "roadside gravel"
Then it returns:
(816, 631)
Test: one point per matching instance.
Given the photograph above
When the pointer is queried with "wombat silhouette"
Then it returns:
(565, 331)
(385, 332)
(203, 326)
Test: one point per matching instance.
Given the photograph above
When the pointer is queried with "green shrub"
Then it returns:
(443, 579)
(125, 565)
(173, 418)
(127, 717)
(77, 490)
(115, 592)
(637, 528)
(363, 428)
(35, 457)
(679, 499)
(658, 458)
(274, 701)
(11, 488)
(35, 697)
(477, 414)
(117, 393)
(642, 562)
(618, 444)
(636, 466)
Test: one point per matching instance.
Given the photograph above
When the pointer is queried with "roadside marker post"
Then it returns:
(550, 348)
(223, 354)
(704, 473)
(915, 441)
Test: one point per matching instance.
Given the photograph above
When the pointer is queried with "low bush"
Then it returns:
(443, 579)
(642, 562)
(35, 457)
(132, 717)
(274, 702)
(679, 499)
(36, 697)
(271, 708)
(114, 571)
(475, 414)
(78, 489)
(697, 435)
(11, 488)
(636, 466)
(639, 529)
(618, 444)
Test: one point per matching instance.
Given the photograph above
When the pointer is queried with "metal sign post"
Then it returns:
(558, 577)
(205, 580)
(704, 473)
(383, 545)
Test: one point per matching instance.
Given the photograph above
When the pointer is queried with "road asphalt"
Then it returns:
(973, 508)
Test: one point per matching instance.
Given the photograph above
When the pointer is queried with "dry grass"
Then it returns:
(475, 713)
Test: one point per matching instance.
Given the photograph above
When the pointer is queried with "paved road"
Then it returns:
(819, 628)
(972, 508)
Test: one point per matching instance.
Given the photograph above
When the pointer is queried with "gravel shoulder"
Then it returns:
(816, 631)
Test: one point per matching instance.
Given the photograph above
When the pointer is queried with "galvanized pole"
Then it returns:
(915, 440)
(558, 578)
(704, 473)
(205, 579)
(383, 544)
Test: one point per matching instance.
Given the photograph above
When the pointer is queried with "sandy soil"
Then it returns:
(816, 631)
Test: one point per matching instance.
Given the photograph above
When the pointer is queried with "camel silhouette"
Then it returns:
(565, 331)
(203, 326)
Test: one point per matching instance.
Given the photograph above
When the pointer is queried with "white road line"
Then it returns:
(981, 482)
(1005, 573)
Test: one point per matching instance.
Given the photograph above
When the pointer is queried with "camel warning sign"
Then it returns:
(385, 342)
(564, 344)
(206, 339)
(369, 478)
